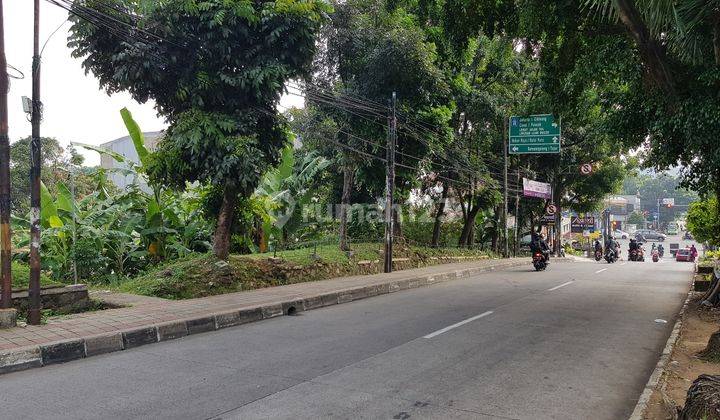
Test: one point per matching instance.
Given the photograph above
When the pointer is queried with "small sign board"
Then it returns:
(668, 201)
(551, 210)
(586, 169)
(548, 220)
(536, 189)
(534, 134)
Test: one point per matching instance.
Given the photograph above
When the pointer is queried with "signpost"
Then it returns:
(534, 134)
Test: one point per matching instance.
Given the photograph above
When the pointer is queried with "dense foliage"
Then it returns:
(215, 70)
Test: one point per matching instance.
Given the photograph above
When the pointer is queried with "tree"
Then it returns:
(679, 46)
(216, 70)
(55, 162)
(370, 50)
(703, 223)
(636, 218)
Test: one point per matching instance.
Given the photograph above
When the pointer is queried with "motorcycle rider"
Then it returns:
(598, 245)
(538, 244)
(632, 247)
(661, 250)
(611, 247)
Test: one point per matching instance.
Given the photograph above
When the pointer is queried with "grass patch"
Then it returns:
(21, 277)
(45, 314)
(203, 275)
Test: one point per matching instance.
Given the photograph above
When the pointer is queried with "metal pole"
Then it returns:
(390, 186)
(517, 216)
(505, 196)
(34, 287)
(5, 246)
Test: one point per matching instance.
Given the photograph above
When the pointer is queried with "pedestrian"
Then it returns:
(693, 252)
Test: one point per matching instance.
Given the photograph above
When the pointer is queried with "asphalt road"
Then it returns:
(576, 341)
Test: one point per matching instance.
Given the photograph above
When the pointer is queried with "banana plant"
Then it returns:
(285, 190)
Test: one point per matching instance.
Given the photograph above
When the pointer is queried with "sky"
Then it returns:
(75, 108)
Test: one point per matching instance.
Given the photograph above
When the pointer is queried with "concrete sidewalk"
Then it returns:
(151, 320)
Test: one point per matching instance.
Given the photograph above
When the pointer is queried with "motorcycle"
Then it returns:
(598, 254)
(661, 251)
(656, 256)
(611, 256)
(539, 261)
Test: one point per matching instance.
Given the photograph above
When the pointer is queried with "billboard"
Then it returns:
(536, 189)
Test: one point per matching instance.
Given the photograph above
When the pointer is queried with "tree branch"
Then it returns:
(652, 53)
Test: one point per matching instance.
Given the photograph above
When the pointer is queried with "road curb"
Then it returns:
(661, 365)
(77, 348)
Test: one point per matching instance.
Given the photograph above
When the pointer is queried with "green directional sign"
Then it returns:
(534, 134)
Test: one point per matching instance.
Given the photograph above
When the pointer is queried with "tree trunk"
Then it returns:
(471, 235)
(651, 51)
(348, 179)
(223, 230)
(438, 218)
(467, 232)
(496, 232)
(557, 241)
(703, 399)
(711, 353)
(711, 298)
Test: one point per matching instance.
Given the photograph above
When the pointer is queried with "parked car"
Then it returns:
(619, 234)
(683, 255)
(650, 235)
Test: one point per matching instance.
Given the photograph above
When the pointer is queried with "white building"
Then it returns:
(125, 147)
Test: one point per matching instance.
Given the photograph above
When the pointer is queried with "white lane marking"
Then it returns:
(446, 329)
(562, 285)
(623, 264)
(600, 271)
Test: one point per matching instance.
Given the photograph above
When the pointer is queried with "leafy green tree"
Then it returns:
(375, 48)
(678, 44)
(703, 222)
(636, 218)
(55, 164)
(216, 70)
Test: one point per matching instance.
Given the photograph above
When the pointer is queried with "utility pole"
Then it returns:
(5, 247)
(35, 158)
(506, 254)
(390, 184)
(517, 215)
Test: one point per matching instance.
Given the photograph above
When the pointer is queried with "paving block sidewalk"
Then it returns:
(150, 320)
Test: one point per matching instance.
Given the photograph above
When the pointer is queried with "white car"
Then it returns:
(619, 234)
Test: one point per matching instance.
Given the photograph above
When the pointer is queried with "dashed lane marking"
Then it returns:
(448, 328)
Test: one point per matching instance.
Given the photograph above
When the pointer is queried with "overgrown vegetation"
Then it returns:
(204, 275)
